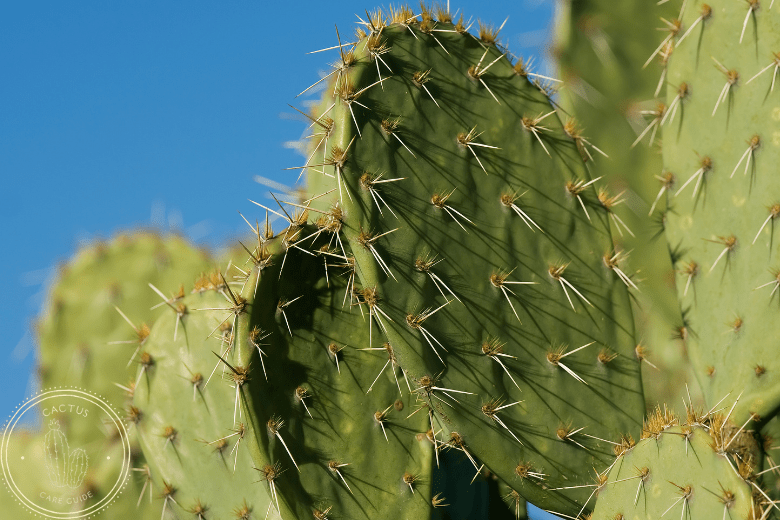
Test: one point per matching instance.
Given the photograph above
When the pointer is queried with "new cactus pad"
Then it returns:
(690, 468)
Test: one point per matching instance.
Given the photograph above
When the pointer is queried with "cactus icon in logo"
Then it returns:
(66, 468)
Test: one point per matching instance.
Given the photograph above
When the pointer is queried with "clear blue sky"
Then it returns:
(115, 115)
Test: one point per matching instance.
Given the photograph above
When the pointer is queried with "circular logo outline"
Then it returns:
(118, 423)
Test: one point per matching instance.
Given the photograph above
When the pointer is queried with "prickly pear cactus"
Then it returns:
(722, 145)
(183, 411)
(601, 46)
(700, 470)
(84, 340)
(483, 250)
(327, 432)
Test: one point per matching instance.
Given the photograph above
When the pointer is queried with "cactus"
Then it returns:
(471, 218)
(678, 468)
(600, 48)
(720, 143)
(85, 342)
(460, 293)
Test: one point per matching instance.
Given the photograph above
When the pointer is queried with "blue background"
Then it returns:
(115, 115)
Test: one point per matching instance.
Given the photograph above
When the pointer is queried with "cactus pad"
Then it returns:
(477, 230)
(84, 340)
(699, 470)
(185, 408)
(722, 145)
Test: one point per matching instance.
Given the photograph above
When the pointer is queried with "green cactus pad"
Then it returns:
(676, 472)
(723, 146)
(185, 409)
(322, 436)
(600, 47)
(84, 341)
(455, 182)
